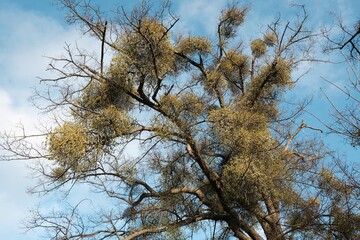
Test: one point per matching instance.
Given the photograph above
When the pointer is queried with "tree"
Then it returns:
(218, 150)
(347, 119)
(345, 42)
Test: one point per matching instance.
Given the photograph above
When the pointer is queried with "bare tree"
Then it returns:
(347, 119)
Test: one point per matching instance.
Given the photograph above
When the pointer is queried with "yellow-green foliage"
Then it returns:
(111, 122)
(93, 96)
(121, 73)
(171, 104)
(98, 95)
(255, 165)
(267, 83)
(192, 45)
(303, 219)
(278, 73)
(258, 48)
(188, 106)
(270, 39)
(347, 224)
(193, 105)
(147, 49)
(339, 192)
(230, 20)
(214, 80)
(239, 128)
(59, 173)
(256, 171)
(235, 68)
(328, 181)
(333, 186)
(67, 145)
(183, 110)
(244, 181)
(234, 59)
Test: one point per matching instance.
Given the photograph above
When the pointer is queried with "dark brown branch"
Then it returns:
(102, 50)
(184, 222)
(350, 41)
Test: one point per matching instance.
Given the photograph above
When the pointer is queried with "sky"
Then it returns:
(34, 29)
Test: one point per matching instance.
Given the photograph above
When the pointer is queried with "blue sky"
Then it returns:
(32, 29)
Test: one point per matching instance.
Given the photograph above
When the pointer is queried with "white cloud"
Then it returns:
(199, 16)
(26, 39)
(14, 202)
(10, 116)
(29, 38)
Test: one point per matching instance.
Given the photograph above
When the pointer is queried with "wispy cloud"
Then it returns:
(14, 202)
(26, 38)
(29, 39)
(199, 16)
